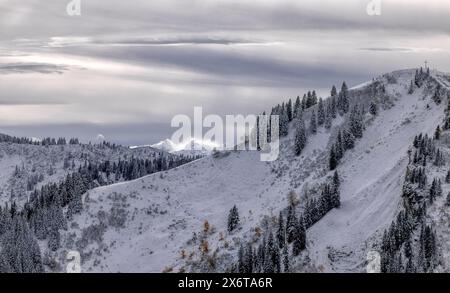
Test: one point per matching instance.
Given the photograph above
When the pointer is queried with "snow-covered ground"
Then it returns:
(161, 212)
(152, 224)
(49, 161)
(372, 177)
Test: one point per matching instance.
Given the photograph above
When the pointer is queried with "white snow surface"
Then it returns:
(147, 225)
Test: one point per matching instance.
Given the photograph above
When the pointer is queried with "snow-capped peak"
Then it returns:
(193, 144)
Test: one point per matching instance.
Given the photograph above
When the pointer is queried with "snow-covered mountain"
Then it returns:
(178, 220)
(191, 147)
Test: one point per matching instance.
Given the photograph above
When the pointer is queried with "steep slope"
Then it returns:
(26, 166)
(148, 225)
(372, 176)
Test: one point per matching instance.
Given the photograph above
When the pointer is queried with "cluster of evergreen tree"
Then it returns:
(49, 141)
(424, 150)
(397, 236)
(435, 190)
(397, 253)
(345, 139)
(17, 140)
(416, 175)
(19, 249)
(326, 112)
(329, 199)
(343, 101)
(274, 253)
(233, 219)
(421, 76)
(43, 216)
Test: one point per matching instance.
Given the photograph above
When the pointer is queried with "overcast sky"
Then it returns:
(124, 68)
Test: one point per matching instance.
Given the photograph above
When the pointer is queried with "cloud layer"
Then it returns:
(138, 64)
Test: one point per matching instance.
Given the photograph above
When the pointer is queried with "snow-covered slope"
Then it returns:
(372, 176)
(51, 163)
(153, 224)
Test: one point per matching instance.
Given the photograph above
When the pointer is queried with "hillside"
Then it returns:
(345, 181)
(157, 223)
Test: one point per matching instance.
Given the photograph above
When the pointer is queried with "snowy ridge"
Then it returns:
(163, 210)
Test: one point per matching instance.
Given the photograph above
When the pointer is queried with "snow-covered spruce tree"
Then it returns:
(300, 136)
(339, 147)
(334, 190)
(281, 232)
(437, 133)
(270, 256)
(241, 262)
(373, 108)
(75, 206)
(321, 113)
(304, 102)
(290, 224)
(20, 249)
(439, 158)
(299, 238)
(343, 99)
(233, 219)
(297, 106)
(289, 110)
(286, 264)
(356, 122)
(332, 160)
(447, 202)
(313, 123)
(411, 88)
(333, 91)
(54, 240)
(348, 140)
(328, 120)
(428, 249)
(284, 121)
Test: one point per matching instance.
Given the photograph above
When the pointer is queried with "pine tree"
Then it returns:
(437, 133)
(270, 255)
(300, 136)
(343, 99)
(332, 159)
(333, 107)
(348, 140)
(54, 240)
(411, 88)
(289, 110)
(373, 109)
(290, 224)
(333, 91)
(241, 262)
(313, 123)
(328, 120)
(299, 238)
(233, 219)
(249, 259)
(286, 265)
(284, 122)
(281, 232)
(297, 107)
(320, 113)
(448, 199)
(447, 177)
(335, 193)
(356, 123)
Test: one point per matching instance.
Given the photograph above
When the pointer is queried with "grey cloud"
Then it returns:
(43, 68)
(232, 67)
(387, 49)
(186, 40)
